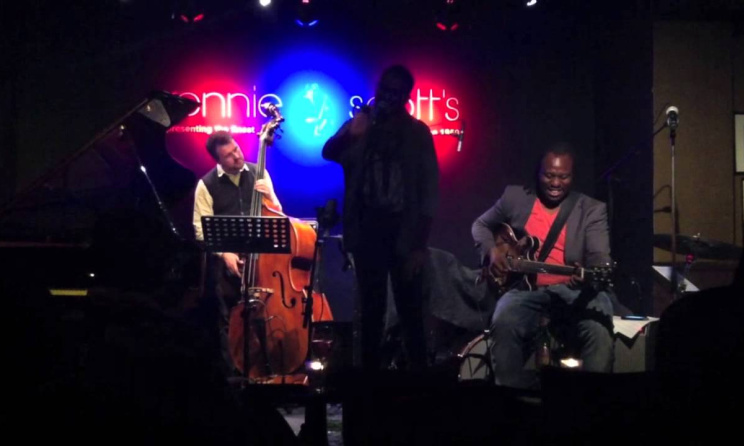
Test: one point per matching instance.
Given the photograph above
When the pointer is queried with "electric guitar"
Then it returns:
(523, 266)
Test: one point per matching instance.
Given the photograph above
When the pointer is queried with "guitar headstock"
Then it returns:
(602, 276)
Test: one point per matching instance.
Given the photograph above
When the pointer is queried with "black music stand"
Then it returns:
(242, 234)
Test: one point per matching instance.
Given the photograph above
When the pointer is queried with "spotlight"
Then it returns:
(306, 14)
(571, 363)
(315, 365)
(264, 3)
(448, 18)
(531, 3)
(187, 11)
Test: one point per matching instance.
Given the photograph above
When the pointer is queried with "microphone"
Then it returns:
(366, 109)
(327, 216)
(672, 121)
(461, 136)
(273, 111)
(330, 207)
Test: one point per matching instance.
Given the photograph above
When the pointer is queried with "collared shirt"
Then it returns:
(203, 203)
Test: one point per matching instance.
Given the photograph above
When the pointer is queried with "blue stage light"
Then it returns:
(315, 107)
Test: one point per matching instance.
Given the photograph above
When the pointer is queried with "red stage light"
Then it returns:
(447, 18)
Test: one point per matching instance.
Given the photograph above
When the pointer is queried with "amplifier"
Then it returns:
(635, 353)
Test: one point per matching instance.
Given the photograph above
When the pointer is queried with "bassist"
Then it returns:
(580, 237)
(227, 189)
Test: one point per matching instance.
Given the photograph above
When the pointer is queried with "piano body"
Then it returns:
(115, 213)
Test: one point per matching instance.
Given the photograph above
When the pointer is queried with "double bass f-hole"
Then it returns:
(292, 301)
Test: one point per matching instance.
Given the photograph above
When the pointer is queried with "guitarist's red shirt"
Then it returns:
(539, 225)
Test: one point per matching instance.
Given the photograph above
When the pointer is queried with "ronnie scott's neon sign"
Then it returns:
(434, 106)
(229, 105)
(424, 102)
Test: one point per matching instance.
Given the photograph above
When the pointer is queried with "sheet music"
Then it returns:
(666, 272)
(628, 328)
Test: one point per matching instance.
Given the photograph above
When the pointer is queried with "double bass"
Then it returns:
(274, 286)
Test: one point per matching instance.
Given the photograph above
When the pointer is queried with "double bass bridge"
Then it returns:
(258, 295)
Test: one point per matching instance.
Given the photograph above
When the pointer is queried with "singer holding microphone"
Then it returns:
(391, 180)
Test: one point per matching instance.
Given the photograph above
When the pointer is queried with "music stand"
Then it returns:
(243, 234)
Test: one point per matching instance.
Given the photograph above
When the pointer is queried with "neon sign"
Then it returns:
(317, 84)
(415, 108)
(226, 103)
(236, 105)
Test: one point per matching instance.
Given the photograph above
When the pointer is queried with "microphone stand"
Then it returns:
(609, 177)
(327, 218)
(315, 429)
(674, 280)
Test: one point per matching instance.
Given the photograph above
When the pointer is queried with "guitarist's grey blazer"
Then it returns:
(587, 231)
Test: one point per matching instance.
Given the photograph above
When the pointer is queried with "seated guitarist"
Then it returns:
(583, 240)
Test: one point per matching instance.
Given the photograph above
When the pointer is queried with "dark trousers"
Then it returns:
(375, 260)
(221, 294)
(583, 317)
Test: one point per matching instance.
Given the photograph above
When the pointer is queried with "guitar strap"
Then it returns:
(558, 224)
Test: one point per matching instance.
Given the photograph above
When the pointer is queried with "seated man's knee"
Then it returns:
(591, 331)
(602, 303)
(504, 325)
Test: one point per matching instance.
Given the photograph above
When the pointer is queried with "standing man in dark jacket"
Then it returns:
(391, 181)
(584, 240)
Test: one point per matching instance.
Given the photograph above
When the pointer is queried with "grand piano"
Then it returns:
(115, 213)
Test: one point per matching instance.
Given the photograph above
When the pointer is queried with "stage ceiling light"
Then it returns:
(531, 2)
(448, 17)
(306, 13)
(264, 3)
(187, 11)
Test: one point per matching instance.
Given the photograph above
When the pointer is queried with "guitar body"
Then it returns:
(510, 246)
(521, 255)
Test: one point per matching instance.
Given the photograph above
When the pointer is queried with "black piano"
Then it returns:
(119, 360)
(115, 213)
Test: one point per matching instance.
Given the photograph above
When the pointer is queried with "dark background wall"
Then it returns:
(623, 153)
(698, 66)
(559, 72)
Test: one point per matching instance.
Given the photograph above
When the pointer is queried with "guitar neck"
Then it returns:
(532, 267)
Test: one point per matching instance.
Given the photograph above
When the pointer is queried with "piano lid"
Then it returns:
(126, 166)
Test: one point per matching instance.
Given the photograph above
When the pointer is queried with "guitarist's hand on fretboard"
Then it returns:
(498, 264)
(576, 280)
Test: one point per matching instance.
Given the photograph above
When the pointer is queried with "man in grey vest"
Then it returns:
(227, 189)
